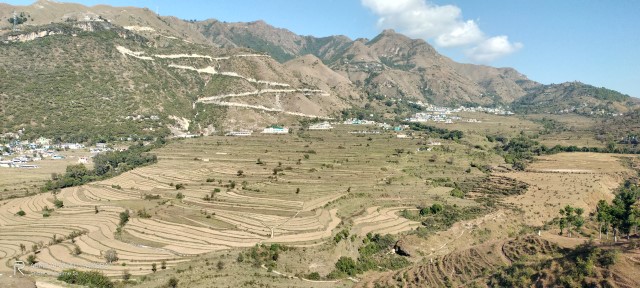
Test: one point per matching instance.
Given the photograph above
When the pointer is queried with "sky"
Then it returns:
(594, 41)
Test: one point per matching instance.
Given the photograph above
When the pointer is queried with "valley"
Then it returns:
(140, 150)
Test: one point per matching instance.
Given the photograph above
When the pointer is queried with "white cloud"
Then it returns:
(492, 49)
(443, 24)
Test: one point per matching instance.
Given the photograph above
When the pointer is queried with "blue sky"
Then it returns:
(550, 41)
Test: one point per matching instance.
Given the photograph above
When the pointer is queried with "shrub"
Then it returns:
(172, 282)
(313, 276)
(58, 203)
(179, 186)
(434, 209)
(126, 275)
(90, 278)
(163, 265)
(344, 234)
(154, 267)
(347, 265)
(142, 213)
(111, 256)
(31, 259)
(457, 193)
(21, 213)
(124, 217)
(609, 257)
(151, 197)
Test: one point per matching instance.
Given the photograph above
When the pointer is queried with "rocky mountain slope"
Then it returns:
(286, 76)
(575, 97)
(93, 80)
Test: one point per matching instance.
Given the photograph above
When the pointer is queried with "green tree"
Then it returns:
(571, 217)
(603, 216)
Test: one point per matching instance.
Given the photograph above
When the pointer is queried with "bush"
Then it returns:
(172, 282)
(126, 275)
(124, 217)
(90, 278)
(111, 256)
(313, 276)
(347, 265)
(344, 234)
(58, 203)
(457, 193)
(434, 209)
(142, 213)
(179, 186)
(21, 213)
(31, 259)
(609, 257)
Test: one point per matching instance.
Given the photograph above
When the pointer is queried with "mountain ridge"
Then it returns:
(389, 66)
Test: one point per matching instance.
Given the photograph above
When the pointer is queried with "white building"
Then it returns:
(275, 130)
(321, 126)
(239, 133)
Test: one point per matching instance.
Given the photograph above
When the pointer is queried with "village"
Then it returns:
(446, 115)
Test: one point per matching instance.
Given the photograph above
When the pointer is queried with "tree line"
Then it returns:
(519, 151)
(106, 165)
(622, 215)
(441, 133)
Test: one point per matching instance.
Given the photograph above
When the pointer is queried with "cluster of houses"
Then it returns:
(448, 110)
(443, 117)
(445, 114)
(23, 153)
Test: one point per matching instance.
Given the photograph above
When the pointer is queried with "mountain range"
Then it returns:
(116, 67)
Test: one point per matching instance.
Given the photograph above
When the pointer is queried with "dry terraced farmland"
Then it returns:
(220, 193)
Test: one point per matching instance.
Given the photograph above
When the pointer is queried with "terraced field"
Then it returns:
(223, 193)
(383, 221)
(461, 268)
